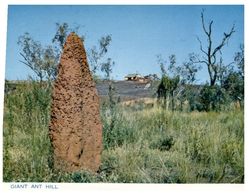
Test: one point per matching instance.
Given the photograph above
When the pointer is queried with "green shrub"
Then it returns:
(212, 98)
(164, 143)
(116, 131)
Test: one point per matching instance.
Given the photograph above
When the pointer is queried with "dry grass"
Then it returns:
(147, 145)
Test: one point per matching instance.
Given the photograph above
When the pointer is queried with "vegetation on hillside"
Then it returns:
(226, 81)
(144, 145)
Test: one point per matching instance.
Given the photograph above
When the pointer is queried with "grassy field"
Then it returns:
(146, 145)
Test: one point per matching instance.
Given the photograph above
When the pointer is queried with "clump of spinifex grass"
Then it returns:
(146, 145)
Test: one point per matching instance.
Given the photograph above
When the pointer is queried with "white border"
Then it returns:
(123, 188)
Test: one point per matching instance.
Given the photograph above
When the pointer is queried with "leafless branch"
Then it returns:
(201, 46)
(27, 61)
(203, 23)
(224, 40)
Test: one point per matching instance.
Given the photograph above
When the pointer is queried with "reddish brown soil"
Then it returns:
(75, 127)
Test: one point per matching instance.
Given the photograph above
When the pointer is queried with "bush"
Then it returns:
(213, 97)
(234, 86)
(164, 143)
(116, 131)
(82, 177)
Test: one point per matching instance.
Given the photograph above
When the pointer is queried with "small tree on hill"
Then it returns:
(168, 85)
(166, 90)
(189, 92)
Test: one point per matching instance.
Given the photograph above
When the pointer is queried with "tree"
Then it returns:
(62, 31)
(233, 80)
(168, 85)
(239, 61)
(50, 60)
(166, 90)
(31, 53)
(174, 69)
(189, 90)
(43, 60)
(212, 97)
(230, 87)
(211, 54)
(234, 86)
(223, 71)
(162, 64)
(96, 54)
(106, 67)
(188, 72)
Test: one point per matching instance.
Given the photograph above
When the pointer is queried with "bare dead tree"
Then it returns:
(210, 54)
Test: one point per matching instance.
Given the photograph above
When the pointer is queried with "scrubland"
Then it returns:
(144, 144)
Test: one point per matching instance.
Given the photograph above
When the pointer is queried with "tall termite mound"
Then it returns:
(75, 128)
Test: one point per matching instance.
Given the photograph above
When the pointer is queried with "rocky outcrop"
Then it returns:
(75, 128)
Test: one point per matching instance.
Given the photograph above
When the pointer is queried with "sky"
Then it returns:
(139, 33)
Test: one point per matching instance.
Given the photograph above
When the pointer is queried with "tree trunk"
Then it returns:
(172, 102)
